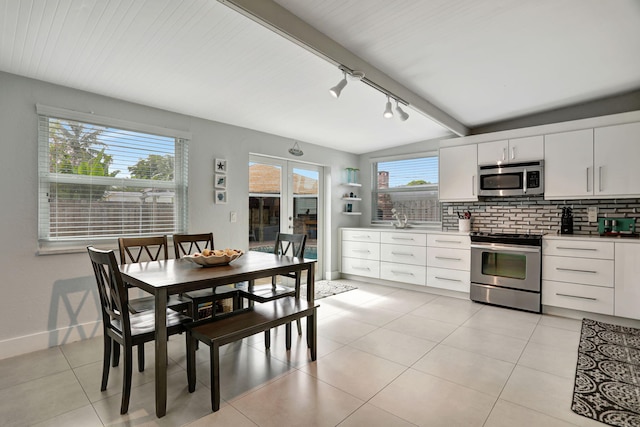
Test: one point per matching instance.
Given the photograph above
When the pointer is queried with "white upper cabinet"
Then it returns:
(458, 173)
(568, 164)
(593, 163)
(515, 150)
(616, 168)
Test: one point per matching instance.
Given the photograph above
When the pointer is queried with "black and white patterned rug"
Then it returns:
(327, 288)
(607, 386)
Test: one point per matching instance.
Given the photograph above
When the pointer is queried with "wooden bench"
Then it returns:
(260, 318)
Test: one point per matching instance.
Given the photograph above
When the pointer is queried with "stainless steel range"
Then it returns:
(505, 270)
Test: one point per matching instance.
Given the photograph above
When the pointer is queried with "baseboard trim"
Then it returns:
(40, 341)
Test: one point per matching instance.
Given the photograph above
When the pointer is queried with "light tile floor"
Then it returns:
(386, 357)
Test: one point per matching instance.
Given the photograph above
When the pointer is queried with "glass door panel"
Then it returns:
(305, 208)
(265, 196)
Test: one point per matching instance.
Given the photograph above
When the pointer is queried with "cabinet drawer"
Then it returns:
(458, 259)
(578, 248)
(444, 241)
(361, 267)
(361, 235)
(361, 250)
(404, 273)
(412, 239)
(416, 255)
(594, 299)
(455, 280)
(598, 272)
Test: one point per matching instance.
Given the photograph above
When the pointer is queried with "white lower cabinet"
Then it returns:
(627, 286)
(445, 278)
(361, 267)
(449, 262)
(414, 255)
(578, 274)
(594, 299)
(406, 273)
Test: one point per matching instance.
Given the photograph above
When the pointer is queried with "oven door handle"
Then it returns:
(508, 248)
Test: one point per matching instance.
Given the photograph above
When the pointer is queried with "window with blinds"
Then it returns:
(408, 185)
(100, 181)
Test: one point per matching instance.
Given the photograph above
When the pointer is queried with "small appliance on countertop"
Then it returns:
(617, 227)
(566, 221)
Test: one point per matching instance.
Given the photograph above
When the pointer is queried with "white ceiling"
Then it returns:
(478, 61)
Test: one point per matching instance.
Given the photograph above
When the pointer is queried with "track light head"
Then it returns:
(388, 113)
(335, 91)
(402, 115)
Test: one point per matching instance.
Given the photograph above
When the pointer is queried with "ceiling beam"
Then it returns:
(285, 23)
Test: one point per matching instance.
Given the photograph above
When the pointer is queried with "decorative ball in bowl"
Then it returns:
(213, 258)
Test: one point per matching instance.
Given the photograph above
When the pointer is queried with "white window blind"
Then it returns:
(408, 185)
(97, 181)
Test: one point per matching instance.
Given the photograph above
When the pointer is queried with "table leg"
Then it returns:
(161, 352)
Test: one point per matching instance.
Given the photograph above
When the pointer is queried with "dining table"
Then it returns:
(174, 276)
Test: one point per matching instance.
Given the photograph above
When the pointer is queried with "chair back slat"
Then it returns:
(290, 244)
(113, 293)
(134, 249)
(187, 244)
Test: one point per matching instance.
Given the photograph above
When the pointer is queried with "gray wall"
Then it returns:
(51, 299)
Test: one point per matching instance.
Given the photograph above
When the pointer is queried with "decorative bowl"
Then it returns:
(213, 260)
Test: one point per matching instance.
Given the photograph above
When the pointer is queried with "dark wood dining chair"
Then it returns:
(140, 249)
(188, 244)
(121, 327)
(290, 245)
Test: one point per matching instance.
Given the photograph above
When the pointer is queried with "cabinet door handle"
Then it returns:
(449, 258)
(402, 238)
(402, 253)
(473, 185)
(363, 251)
(406, 273)
(576, 249)
(576, 296)
(361, 268)
(362, 237)
(446, 278)
(448, 241)
(576, 270)
(504, 154)
(588, 179)
(513, 153)
(600, 178)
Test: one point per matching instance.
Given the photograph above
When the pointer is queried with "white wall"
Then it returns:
(48, 300)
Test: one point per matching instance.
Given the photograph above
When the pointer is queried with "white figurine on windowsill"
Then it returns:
(401, 223)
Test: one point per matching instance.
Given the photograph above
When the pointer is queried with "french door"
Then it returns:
(286, 197)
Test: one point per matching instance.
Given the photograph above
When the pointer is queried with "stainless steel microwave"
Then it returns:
(513, 179)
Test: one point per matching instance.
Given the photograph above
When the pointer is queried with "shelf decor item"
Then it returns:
(220, 181)
(352, 175)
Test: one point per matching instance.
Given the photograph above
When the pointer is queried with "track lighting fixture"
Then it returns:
(387, 110)
(359, 75)
(335, 91)
(402, 115)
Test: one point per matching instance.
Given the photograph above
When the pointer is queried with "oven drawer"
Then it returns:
(505, 297)
(444, 278)
(448, 241)
(586, 271)
(361, 250)
(361, 236)
(361, 267)
(594, 299)
(404, 273)
(458, 259)
(578, 248)
(412, 239)
(415, 255)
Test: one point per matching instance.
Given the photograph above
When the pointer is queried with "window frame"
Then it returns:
(48, 245)
(437, 224)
